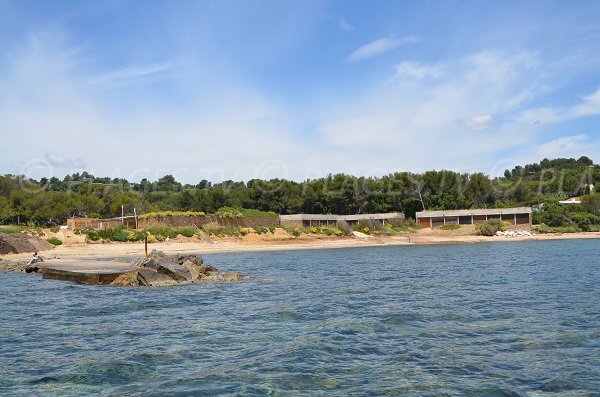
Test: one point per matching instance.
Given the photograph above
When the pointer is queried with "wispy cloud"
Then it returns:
(378, 47)
(478, 123)
(417, 71)
(132, 73)
(588, 106)
(567, 146)
(344, 25)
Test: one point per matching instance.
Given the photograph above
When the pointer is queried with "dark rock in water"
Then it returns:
(223, 277)
(192, 258)
(194, 269)
(33, 268)
(160, 269)
(152, 278)
(175, 271)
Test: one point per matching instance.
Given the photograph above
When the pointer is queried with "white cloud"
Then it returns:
(587, 106)
(129, 74)
(378, 47)
(567, 146)
(422, 125)
(417, 71)
(478, 123)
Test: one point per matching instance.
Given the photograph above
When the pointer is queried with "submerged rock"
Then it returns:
(160, 269)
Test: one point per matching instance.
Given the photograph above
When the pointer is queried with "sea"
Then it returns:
(487, 319)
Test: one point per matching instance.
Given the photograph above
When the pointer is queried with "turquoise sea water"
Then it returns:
(510, 319)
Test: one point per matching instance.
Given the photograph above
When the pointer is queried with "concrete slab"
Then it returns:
(85, 271)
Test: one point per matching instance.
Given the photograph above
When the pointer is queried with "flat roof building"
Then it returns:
(309, 220)
(516, 216)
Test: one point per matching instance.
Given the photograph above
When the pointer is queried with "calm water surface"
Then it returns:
(511, 319)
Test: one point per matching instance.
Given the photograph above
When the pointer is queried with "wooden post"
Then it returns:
(146, 244)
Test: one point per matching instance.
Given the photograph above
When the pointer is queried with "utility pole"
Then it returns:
(122, 214)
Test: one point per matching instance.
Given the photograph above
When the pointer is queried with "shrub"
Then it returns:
(229, 212)
(543, 228)
(296, 233)
(327, 231)
(120, 235)
(170, 213)
(222, 231)
(187, 232)
(12, 229)
(164, 232)
(450, 227)
(344, 226)
(54, 229)
(261, 230)
(314, 230)
(272, 229)
(54, 241)
(489, 227)
(410, 223)
(91, 235)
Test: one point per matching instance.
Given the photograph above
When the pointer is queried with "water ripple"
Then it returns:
(514, 319)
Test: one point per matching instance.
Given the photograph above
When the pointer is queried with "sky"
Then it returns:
(235, 90)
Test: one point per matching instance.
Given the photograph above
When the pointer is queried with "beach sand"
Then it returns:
(76, 247)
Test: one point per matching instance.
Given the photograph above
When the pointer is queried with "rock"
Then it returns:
(128, 279)
(223, 277)
(194, 269)
(160, 269)
(33, 268)
(152, 278)
(360, 235)
(159, 254)
(192, 258)
(175, 271)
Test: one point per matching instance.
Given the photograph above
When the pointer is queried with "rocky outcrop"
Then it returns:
(160, 269)
(18, 243)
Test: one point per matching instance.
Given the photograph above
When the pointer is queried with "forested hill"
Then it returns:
(51, 201)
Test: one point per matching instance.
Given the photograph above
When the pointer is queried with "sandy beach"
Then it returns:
(76, 247)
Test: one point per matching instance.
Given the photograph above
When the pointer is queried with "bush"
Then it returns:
(543, 228)
(327, 231)
(344, 226)
(490, 227)
(261, 230)
(54, 241)
(229, 212)
(91, 235)
(164, 232)
(120, 235)
(314, 230)
(170, 213)
(222, 231)
(54, 229)
(187, 231)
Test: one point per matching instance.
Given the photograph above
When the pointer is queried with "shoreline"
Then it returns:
(232, 245)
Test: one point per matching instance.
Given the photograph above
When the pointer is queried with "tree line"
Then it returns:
(51, 201)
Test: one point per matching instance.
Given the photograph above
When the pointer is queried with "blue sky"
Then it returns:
(242, 89)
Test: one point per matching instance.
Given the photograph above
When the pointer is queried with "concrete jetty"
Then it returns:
(85, 271)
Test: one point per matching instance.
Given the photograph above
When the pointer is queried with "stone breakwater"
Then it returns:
(160, 269)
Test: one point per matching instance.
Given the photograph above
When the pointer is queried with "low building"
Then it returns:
(100, 224)
(309, 220)
(516, 216)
